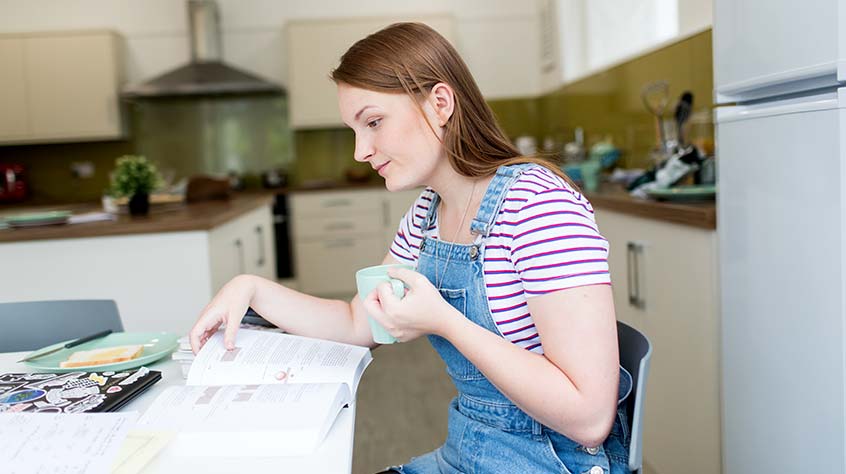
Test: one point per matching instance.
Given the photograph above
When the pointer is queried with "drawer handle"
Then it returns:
(334, 244)
(260, 233)
(339, 226)
(337, 203)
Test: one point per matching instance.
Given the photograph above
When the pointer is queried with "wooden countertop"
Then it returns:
(169, 218)
(696, 214)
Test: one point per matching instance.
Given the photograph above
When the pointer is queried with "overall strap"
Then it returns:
(429, 219)
(495, 196)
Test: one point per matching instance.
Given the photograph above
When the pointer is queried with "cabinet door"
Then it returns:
(328, 266)
(626, 271)
(314, 49)
(675, 272)
(397, 204)
(259, 243)
(73, 86)
(13, 100)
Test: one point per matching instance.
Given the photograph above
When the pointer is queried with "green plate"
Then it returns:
(38, 218)
(156, 346)
(685, 193)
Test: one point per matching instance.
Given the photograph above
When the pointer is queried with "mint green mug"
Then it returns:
(367, 279)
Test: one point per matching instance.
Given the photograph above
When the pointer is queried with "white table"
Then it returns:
(333, 456)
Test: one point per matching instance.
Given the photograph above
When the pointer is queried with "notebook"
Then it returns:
(73, 392)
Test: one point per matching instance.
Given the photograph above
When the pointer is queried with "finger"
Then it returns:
(386, 296)
(411, 278)
(231, 330)
(199, 334)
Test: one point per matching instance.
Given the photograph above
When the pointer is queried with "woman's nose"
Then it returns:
(363, 149)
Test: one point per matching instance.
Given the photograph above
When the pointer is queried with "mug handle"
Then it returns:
(399, 288)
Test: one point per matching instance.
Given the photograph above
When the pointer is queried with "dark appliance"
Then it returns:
(281, 224)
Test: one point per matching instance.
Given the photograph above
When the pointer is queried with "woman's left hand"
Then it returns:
(422, 311)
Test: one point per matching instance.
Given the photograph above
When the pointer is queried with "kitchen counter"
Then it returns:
(168, 218)
(696, 214)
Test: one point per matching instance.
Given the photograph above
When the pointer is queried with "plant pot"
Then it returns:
(139, 204)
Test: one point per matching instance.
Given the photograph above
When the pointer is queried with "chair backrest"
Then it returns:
(30, 325)
(635, 354)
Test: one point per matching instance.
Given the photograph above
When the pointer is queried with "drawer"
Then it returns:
(327, 267)
(337, 203)
(328, 227)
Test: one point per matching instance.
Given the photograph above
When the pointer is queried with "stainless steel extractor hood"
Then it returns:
(206, 74)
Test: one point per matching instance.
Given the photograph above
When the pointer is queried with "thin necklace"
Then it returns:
(457, 231)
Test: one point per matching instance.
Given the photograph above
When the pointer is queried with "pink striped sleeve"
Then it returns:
(406, 245)
(557, 244)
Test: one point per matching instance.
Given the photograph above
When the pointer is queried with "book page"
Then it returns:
(261, 357)
(246, 420)
(61, 443)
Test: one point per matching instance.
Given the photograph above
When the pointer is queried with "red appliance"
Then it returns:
(12, 184)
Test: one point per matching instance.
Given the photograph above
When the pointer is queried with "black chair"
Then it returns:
(31, 325)
(635, 355)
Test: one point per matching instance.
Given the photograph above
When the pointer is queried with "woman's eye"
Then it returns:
(374, 123)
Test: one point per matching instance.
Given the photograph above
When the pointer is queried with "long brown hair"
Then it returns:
(412, 58)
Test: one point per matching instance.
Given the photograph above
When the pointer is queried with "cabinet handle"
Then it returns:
(260, 232)
(239, 246)
(333, 244)
(337, 202)
(634, 251)
(339, 226)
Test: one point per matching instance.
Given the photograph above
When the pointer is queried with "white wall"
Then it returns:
(496, 37)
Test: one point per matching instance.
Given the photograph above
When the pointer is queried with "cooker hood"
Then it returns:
(206, 74)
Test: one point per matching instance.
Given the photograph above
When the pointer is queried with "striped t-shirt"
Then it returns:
(544, 239)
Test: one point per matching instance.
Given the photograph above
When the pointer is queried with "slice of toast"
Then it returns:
(105, 355)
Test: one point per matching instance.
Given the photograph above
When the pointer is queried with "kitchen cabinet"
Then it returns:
(664, 279)
(336, 233)
(243, 245)
(60, 87)
(160, 280)
(314, 49)
(594, 35)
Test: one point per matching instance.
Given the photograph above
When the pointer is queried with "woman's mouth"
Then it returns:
(381, 167)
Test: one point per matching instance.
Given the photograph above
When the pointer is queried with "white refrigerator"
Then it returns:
(780, 71)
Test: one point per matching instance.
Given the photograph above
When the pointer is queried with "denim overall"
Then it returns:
(487, 432)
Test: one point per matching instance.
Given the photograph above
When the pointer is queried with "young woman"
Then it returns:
(511, 283)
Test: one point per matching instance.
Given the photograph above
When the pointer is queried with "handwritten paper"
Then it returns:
(83, 443)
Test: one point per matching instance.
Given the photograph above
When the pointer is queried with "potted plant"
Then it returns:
(135, 177)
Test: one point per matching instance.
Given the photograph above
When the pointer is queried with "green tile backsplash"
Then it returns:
(250, 135)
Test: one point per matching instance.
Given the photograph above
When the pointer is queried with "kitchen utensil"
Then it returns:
(156, 345)
(682, 114)
(656, 97)
(74, 343)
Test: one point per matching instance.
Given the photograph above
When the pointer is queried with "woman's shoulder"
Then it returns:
(538, 181)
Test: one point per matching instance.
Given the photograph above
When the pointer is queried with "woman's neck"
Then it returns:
(460, 197)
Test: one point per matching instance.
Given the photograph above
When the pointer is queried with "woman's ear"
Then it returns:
(442, 100)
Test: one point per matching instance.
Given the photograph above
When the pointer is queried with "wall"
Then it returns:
(156, 40)
(609, 103)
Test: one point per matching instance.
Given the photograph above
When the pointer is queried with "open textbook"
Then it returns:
(273, 395)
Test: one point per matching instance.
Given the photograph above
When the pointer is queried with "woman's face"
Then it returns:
(392, 135)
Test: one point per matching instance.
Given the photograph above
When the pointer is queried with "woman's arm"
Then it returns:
(572, 388)
(295, 312)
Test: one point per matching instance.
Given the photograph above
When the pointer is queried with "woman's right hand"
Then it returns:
(226, 308)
